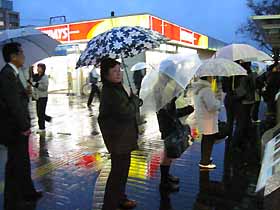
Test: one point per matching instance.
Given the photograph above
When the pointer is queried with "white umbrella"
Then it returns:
(139, 66)
(241, 52)
(220, 67)
(159, 87)
(36, 45)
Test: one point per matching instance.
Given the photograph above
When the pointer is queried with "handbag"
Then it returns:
(178, 141)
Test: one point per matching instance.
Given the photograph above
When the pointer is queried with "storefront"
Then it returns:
(74, 37)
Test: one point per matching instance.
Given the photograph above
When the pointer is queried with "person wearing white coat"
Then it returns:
(40, 87)
(207, 106)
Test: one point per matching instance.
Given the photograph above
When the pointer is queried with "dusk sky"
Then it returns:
(217, 18)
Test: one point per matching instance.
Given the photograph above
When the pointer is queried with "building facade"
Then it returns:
(9, 19)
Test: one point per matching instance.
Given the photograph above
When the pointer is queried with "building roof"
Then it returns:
(269, 26)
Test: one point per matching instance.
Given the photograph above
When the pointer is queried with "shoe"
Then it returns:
(208, 167)
(173, 179)
(33, 196)
(169, 186)
(128, 204)
(256, 121)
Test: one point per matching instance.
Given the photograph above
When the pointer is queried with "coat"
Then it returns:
(14, 110)
(117, 119)
(206, 108)
(41, 87)
(168, 115)
(246, 90)
(273, 85)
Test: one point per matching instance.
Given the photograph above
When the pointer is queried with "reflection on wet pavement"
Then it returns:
(71, 164)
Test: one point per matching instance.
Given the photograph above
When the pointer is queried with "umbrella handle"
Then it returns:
(126, 73)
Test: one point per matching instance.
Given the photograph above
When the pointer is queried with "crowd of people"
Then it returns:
(242, 101)
(118, 121)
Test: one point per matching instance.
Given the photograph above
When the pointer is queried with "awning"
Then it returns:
(269, 25)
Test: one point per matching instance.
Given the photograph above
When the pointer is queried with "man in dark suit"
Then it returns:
(15, 131)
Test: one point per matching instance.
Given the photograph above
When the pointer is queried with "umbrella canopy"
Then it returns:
(36, 45)
(244, 52)
(121, 42)
(259, 67)
(220, 67)
(159, 87)
(139, 66)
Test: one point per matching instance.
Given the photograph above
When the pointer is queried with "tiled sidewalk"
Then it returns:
(71, 165)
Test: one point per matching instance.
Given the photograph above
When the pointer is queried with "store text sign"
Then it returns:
(60, 33)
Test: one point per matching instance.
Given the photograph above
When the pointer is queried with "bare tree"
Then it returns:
(260, 7)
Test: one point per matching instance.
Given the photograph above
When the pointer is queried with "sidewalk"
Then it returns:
(71, 165)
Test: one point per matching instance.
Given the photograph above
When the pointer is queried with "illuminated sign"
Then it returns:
(177, 33)
(84, 31)
(60, 33)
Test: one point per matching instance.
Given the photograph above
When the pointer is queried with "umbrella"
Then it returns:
(139, 66)
(36, 45)
(159, 87)
(121, 42)
(241, 52)
(259, 67)
(220, 67)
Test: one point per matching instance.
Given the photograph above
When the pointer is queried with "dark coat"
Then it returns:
(168, 115)
(229, 84)
(245, 92)
(117, 119)
(273, 85)
(14, 113)
(137, 78)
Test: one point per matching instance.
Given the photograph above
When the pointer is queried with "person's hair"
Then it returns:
(9, 50)
(106, 65)
(42, 66)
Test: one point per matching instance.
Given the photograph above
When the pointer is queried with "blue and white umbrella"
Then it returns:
(119, 42)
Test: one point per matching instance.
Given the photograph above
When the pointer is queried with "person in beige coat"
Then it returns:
(207, 105)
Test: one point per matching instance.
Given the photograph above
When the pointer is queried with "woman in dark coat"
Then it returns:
(166, 120)
(117, 122)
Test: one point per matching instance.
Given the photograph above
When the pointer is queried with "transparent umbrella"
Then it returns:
(139, 66)
(241, 52)
(220, 67)
(259, 67)
(159, 87)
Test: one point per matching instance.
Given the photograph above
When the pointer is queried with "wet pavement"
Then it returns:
(70, 164)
